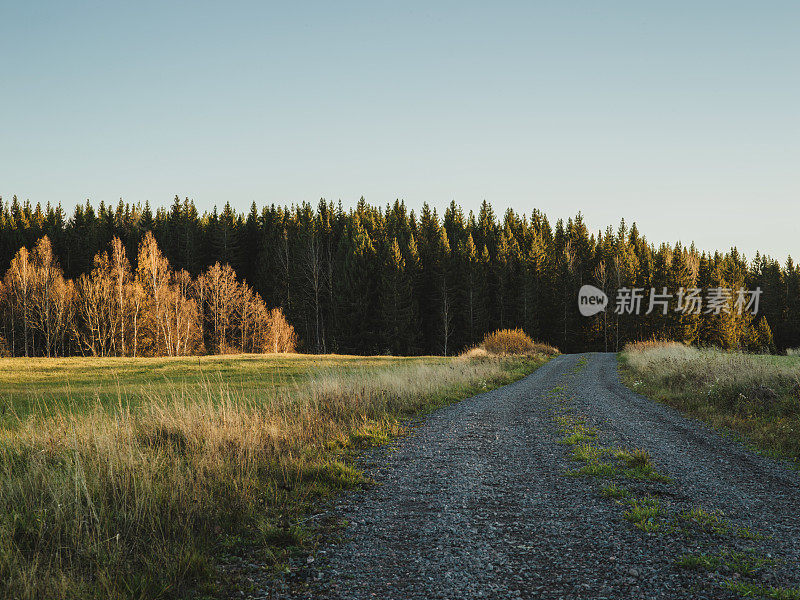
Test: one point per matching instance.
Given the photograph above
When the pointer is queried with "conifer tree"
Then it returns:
(397, 304)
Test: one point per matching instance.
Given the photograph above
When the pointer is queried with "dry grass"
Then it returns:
(121, 503)
(514, 342)
(756, 395)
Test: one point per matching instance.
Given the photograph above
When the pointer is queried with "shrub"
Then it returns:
(514, 341)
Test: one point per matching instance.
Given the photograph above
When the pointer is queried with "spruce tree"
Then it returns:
(397, 310)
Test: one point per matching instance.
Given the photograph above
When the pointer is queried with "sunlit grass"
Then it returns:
(754, 395)
(44, 385)
(136, 500)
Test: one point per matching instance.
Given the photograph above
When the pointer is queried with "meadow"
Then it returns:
(754, 395)
(130, 478)
(42, 386)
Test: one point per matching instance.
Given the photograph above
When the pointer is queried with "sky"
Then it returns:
(681, 116)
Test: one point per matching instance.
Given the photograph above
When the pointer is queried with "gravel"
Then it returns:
(475, 504)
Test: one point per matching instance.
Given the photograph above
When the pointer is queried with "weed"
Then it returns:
(748, 534)
(514, 341)
(710, 521)
(589, 453)
(614, 491)
(743, 563)
(644, 512)
(751, 590)
(597, 469)
(634, 459)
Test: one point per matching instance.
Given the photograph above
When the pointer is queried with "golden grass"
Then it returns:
(119, 503)
(755, 395)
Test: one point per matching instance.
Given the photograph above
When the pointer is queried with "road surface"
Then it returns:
(476, 503)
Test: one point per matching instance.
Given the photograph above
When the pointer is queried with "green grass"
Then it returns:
(709, 521)
(614, 491)
(589, 453)
(105, 497)
(744, 563)
(627, 464)
(756, 396)
(645, 513)
(42, 386)
(751, 590)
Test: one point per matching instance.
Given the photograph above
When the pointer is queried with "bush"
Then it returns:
(514, 341)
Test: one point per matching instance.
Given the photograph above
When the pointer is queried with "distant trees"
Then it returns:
(113, 311)
(128, 280)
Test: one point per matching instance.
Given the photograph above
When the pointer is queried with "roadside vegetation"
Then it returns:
(138, 500)
(757, 396)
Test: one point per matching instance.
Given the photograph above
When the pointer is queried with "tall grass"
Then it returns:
(756, 395)
(121, 503)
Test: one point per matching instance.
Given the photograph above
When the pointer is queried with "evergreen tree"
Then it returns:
(398, 313)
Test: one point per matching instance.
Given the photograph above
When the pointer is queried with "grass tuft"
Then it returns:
(744, 563)
(615, 492)
(752, 590)
(644, 513)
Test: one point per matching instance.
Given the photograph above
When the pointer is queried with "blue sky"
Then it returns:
(682, 116)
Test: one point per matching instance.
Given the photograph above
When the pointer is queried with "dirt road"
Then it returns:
(478, 502)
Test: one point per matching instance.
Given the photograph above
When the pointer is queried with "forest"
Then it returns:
(128, 280)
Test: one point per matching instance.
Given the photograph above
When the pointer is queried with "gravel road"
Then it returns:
(475, 503)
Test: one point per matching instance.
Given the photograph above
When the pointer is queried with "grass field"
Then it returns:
(128, 478)
(44, 386)
(757, 396)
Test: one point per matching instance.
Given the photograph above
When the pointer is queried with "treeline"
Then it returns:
(113, 310)
(377, 280)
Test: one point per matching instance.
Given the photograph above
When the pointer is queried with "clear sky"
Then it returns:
(682, 116)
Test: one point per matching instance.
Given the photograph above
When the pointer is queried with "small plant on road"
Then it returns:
(645, 513)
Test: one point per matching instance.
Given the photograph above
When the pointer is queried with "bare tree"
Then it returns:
(280, 335)
(222, 292)
(446, 313)
(47, 282)
(136, 298)
(111, 311)
(181, 317)
(122, 278)
(95, 327)
(19, 285)
(154, 274)
(314, 274)
(601, 276)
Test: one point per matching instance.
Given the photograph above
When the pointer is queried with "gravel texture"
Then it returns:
(475, 503)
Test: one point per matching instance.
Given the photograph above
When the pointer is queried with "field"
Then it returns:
(129, 478)
(756, 396)
(44, 386)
